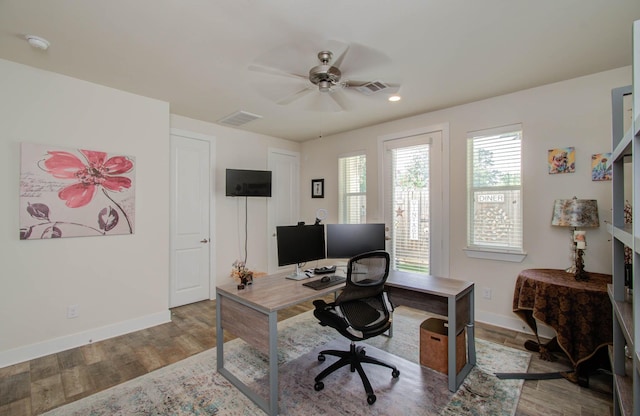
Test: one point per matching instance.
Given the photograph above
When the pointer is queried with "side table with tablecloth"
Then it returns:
(579, 311)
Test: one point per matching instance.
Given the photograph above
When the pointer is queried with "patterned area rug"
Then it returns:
(193, 387)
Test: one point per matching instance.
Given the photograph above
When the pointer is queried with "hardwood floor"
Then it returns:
(33, 387)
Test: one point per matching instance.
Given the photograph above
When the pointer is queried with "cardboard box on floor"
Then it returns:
(433, 346)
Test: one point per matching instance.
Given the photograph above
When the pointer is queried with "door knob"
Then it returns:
(204, 241)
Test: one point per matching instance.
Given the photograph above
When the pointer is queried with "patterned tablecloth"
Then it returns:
(579, 312)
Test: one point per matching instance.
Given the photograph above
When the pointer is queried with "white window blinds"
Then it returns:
(352, 189)
(495, 189)
(409, 203)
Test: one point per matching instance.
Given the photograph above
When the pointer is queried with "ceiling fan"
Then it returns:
(325, 82)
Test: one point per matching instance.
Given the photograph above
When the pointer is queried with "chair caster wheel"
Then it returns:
(395, 373)
(371, 399)
(320, 385)
(321, 357)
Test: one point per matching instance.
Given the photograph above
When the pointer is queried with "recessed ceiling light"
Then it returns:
(38, 42)
(394, 98)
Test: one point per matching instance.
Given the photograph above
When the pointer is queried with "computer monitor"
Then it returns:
(347, 240)
(298, 244)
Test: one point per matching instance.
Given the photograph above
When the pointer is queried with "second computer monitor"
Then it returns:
(347, 240)
(298, 244)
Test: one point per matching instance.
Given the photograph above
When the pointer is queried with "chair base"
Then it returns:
(354, 358)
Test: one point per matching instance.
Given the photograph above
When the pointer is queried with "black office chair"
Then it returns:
(361, 311)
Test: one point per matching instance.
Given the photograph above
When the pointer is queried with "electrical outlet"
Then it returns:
(73, 311)
(486, 293)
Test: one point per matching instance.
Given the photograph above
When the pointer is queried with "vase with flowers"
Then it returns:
(242, 273)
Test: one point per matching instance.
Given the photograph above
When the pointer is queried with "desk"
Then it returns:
(448, 297)
(579, 312)
(251, 314)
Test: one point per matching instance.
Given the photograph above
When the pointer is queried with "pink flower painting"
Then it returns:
(75, 192)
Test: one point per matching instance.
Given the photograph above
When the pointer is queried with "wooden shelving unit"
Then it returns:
(626, 179)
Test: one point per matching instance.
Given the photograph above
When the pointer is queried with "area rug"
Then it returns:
(193, 387)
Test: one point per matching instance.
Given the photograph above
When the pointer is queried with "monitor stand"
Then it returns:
(297, 274)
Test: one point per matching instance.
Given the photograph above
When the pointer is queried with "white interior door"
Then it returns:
(415, 204)
(284, 205)
(190, 214)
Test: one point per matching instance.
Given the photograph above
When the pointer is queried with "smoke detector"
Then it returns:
(38, 42)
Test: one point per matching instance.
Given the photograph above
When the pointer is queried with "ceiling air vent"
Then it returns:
(238, 118)
(371, 88)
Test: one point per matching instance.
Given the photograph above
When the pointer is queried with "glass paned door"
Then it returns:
(408, 206)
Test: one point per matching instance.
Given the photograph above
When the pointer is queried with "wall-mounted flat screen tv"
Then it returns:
(242, 182)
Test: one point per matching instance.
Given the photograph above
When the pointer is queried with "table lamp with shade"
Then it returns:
(576, 213)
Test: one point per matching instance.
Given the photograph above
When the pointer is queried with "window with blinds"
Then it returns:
(495, 189)
(352, 189)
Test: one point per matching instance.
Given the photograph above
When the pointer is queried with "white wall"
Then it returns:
(236, 149)
(119, 282)
(571, 113)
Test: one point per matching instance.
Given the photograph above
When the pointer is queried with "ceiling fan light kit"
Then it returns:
(324, 86)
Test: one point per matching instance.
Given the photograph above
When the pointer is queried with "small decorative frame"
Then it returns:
(601, 169)
(317, 188)
(562, 160)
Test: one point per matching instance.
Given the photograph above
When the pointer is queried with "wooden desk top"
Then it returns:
(439, 286)
(275, 292)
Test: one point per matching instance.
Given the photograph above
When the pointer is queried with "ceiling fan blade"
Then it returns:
(296, 95)
(278, 72)
(340, 99)
(295, 57)
(321, 102)
(362, 58)
(338, 61)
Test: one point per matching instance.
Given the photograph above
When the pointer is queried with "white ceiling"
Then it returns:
(196, 54)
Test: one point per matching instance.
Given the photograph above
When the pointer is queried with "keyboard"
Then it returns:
(319, 284)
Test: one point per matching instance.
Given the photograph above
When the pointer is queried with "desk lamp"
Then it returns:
(576, 213)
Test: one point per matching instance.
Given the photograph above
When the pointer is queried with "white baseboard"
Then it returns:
(56, 345)
(514, 323)
(29, 352)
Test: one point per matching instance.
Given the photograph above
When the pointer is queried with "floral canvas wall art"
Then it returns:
(601, 169)
(562, 160)
(75, 193)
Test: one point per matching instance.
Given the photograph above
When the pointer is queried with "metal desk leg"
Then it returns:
(273, 363)
(219, 336)
(451, 343)
(456, 379)
(471, 340)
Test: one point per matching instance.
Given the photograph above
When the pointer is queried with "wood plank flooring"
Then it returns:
(33, 387)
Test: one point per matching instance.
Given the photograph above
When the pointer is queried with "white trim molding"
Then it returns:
(494, 255)
(52, 346)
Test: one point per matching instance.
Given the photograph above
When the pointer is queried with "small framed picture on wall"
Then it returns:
(601, 169)
(562, 160)
(317, 188)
